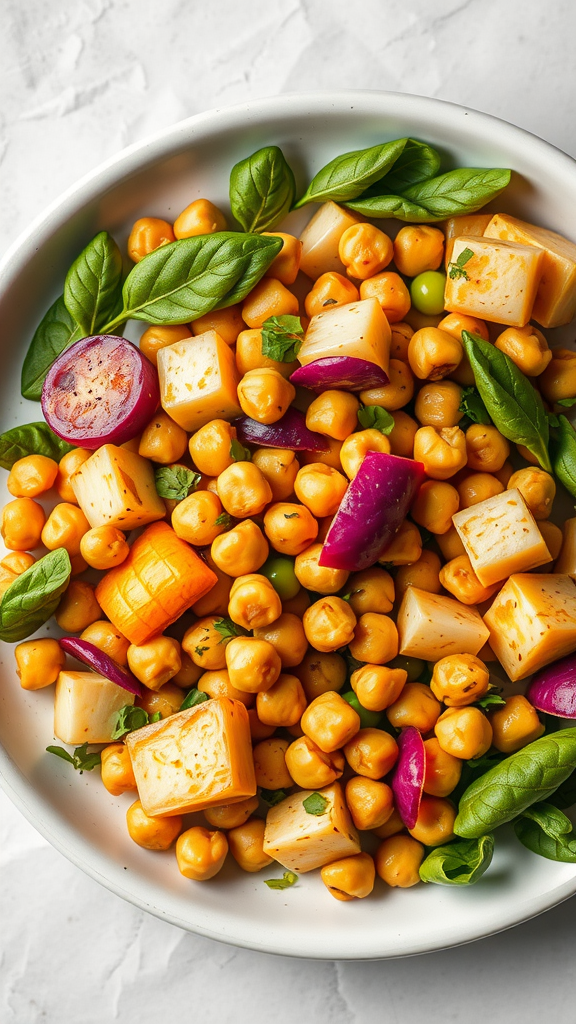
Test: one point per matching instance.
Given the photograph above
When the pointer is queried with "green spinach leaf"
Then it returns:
(545, 830)
(56, 332)
(563, 449)
(473, 407)
(228, 629)
(175, 482)
(33, 597)
(282, 337)
(462, 862)
(491, 700)
(31, 439)
(565, 795)
(92, 291)
(417, 162)
(346, 177)
(457, 268)
(464, 190)
(238, 452)
(376, 418)
(262, 189)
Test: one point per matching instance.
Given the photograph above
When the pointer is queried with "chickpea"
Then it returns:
(264, 394)
(460, 580)
(406, 546)
(371, 590)
(390, 827)
(398, 861)
(415, 706)
(350, 878)
(243, 490)
(435, 504)
(455, 323)
(438, 404)
(270, 764)
(329, 721)
(283, 704)
(443, 770)
(515, 724)
(156, 337)
(315, 577)
(559, 378)
(333, 413)
(527, 455)
(397, 393)
(320, 672)
(108, 639)
(552, 537)
(165, 702)
(370, 802)
(310, 767)
(391, 292)
(526, 347)
(442, 452)
(330, 457)
(188, 673)
(215, 602)
(371, 753)
(464, 732)
(253, 665)
(156, 661)
(435, 824)
(364, 250)
(290, 528)
(67, 466)
(418, 247)
(247, 845)
(195, 518)
(104, 547)
(205, 644)
(17, 562)
(504, 474)
(253, 602)
(401, 437)
(228, 323)
(210, 447)
(116, 769)
(538, 489)
(486, 448)
(297, 605)
(424, 574)
(399, 341)
(287, 637)
(478, 487)
(279, 467)
(320, 488)
(378, 686)
(375, 639)
(78, 607)
(199, 218)
(434, 354)
(330, 290)
(231, 815)
(329, 624)
(460, 679)
(31, 476)
(163, 440)
(286, 264)
(38, 663)
(148, 234)
(200, 854)
(64, 528)
(216, 683)
(249, 355)
(152, 833)
(450, 544)
(269, 298)
(258, 731)
(22, 523)
(356, 447)
(240, 551)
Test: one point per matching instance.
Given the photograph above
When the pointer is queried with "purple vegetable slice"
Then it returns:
(553, 690)
(101, 662)
(408, 778)
(101, 390)
(346, 373)
(372, 510)
(289, 432)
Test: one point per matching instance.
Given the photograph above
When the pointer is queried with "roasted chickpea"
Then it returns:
(370, 802)
(435, 824)
(279, 467)
(552, 537)
(418, 247)
(163, 440)
(464, 732)
(328, 291)
(290, 528)
(116, 769)
(16, 562)
(460, 679)
(364, 250)
(283, 704)
(424, 574)
(329, 623)
(31, 476)
(313, 768)
(515, 724)
(443, 452)
(265, 395)
(320, 488)
(390, 827)
(38, 663)
(415, 706)
(78, 607)
(156, 661)
(398, 861)
(258, 731)
(216, 683)
(286, 264)
(240, 551)
(287, 637)
(108, 639)
(148, 234)
(253, 665)
(397, 393)
(434, 354)
(356, 447)
(231, 815)
(450, 544)
(22, 524)
(104, 547)
(390, 291)
(188, 673)
(199, 518)
(455, 323)
(205, 644)
(350, 878)
(375, 639)
(505, 473)
(486, 448)
(527, 347)
(200, 854)
(443, 770)
(371, 590)
(165, 702)
(538, 489)
(228, 323)
(270, 764)
(269, 298)
(406, 546)
(315, 577)
(321, 671)
(478, 487)
(559, 378)
(401, 437)
(156, 337)
(333, 413)
(378, 686)
(399, 341)
(527, 455)
(199, 218)
(330, 721)
(249, 355)
(567, 559)
(243, 490)
(371, 753)
(246, 844)
(460, 580)
(438, 404)
(435, 504)
(152, 833)
(64, 528)
(210, 447)
(253, 602)
(67, 466)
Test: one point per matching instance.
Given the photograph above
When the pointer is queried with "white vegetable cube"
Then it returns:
(115, 487)
(501, 537)
(301, 841)
(532, 622)
(198, 381)
(498, 282)
(86, 707)
(431, 626)
(464, 224)
(320, 240)
(555, 302)
(359, 329)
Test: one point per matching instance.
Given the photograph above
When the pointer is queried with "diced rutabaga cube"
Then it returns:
(358, 329)
(555, 302)
(501, 536)
(498, 282)
(194, 759)
(466, 224)
(86, 706)
(115, 487)
(198, 381)
(532, 621)
(320, 240)
(301, 841)
(431, 626)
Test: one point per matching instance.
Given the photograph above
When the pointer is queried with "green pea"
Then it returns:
(427, 292)
(413, 666)
(368, 719)
(280, 572)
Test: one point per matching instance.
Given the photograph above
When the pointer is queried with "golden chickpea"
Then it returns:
(434, 354)
(68, 465)
(228, 323)
(486, 448)
(435, 504)
(378, 686)
(215, 602)
(264, 394)
(527, 455)
(116, 769)
(443, 770)
(315, 577)
(331, 457)
(163, 440)
(188, 673)
(455, 323)
(391, 292)
(297, 605)
(279, 467)
(464, 732)
(415, 706)
(16, 562)
(460, 679)
(196, 518)
(350, 878)
(310, 767)
(231, 815)
(329, 623)
(216, 683)
(329, 721)
(156, 337)
(165, 702)
(253, 602)
(38, 663)
(148, 234)
(460, 580)
(320, 488)
(64, 528)
(406, 546)
(515, 724)
(504, 473)
(283, 704)
(375, 639)
(205, 644)
(424, 574)
(249, 355)
(400, 339)
(442, 452)
(199, 218)
(31, 476)
(397, 393)
(552, 537)
(371, 590)
(538, 489)
(78, 607)
(435, 824)
(200, 854)
(253, 665)
(370, 802)
(286, 264)
(156, 661)
(398, 861)
(438, 404)
(401, 437)
(240, 551)
(330, 290)
(418, 247)
(108, 639)
(334, 414)
(210, 447)
(270, 764)
(320, 672)
(450, 544)
(356, 447)
(478, 487)
(247, 845)
(559, 378)
(371, 753)
(22, 524)
(287, 637)
(390, 827)
(104, 547)
(527, 348)
(269, 298)
(258, 731)
(364, 250)
(152, 833)
(243, 490)
(290, 528)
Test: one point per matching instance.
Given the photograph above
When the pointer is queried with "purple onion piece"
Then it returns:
(408, 778)
(101, 662)
(346, 373)
(553, 690)
(289, 432)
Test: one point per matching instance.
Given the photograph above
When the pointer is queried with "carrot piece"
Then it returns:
(159, 580)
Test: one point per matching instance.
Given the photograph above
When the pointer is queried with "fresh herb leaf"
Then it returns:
(473, 407)
(563, 449)
(262, 189)
(456, 269)
(462, 862)
(347, 176)
(288, 879)
(565, 795)
(491, 700)
(92, 291)
(56, 332)
(199, 650)
(31, 439)
(417, 162)
(377, 418)
(545, 830)
(566, 403)
(130, 718)
(273, 796)
(282, 338)
(228, 629)
(464, 190)
(223, 520)
(315, 804)
(175, 482)
(34, 596)
(512, 402)
(81, 759)
(291, 515)
(238, 452)
(192, 698)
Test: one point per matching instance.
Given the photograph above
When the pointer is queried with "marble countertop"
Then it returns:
(78, 82)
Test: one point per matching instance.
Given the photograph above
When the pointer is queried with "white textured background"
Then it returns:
(78, 81)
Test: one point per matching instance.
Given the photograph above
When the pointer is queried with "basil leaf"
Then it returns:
(273, 796)
(545, 830)
(238, 452)
(224, 519)
(473, 407)
(549, 818)
(460, 863)
(228, 629)
(392, 206)
(185, 279)
(567, 403)
(130, 718)
(456, 268)
(565, 795)
(315, 804)
(347, 176)
(56, 332)
(92, 289)
(563, 448)
(512, 402)
(464, 190)
(491, 700)
(175, 482)
(262, 189)
(417, 162)
(282, 337)
(288, 879)
(192, 698)
(82, 760)
(31, 439)
(376, 418)
(526, 777)
(34, 596)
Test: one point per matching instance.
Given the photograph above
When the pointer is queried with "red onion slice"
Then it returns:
(345, 373)
(408, 778)
(553, 690)
(289, 432)
(101, 662)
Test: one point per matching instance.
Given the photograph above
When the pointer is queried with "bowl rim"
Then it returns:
(161, 144)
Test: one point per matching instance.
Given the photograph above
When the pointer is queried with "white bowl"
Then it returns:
(160, 177)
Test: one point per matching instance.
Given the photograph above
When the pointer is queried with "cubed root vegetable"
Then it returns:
(302, 841)
(86, 706)
(359, 329)
(497, 282)
(198, 381)
(115, 487)
(431, 626)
